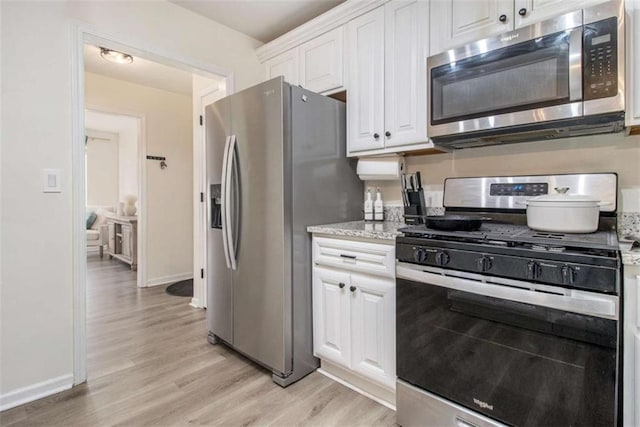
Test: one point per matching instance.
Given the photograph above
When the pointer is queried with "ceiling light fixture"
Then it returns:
(115, 56)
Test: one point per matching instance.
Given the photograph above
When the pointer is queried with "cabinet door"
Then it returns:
(635, 405)
(126, 241)
(321, 64)
(365, 107)
(405, 97)
(632, 116)
(374, 328)
(285, 64)
(528, 12)
(455, 22)
(331, 316)
(111, 246)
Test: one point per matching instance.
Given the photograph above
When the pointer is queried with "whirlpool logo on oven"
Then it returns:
(483, 405)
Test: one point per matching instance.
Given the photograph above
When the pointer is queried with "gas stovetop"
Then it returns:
(508, 235)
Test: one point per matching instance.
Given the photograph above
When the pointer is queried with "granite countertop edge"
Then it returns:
(631, 257)
(385, 230)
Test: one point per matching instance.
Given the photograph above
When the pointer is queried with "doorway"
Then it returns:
(113, 176)
(83, 36)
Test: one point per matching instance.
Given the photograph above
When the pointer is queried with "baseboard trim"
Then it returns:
(195, 302)
(163, 280)
(35, 391)
(373, 391)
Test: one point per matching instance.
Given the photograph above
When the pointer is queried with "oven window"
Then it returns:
(521, 364)
(525, 76)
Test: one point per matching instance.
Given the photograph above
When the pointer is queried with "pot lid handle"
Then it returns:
(562, 190)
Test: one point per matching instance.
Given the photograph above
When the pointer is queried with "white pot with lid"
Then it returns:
(563, 212)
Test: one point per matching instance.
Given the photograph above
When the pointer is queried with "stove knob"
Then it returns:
(419, 255)
(533, 270)
(483, 264)
(568, 275)
(442, 258)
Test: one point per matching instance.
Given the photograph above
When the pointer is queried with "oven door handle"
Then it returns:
(587, 303)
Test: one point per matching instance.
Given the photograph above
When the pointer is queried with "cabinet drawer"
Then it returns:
(371, 258)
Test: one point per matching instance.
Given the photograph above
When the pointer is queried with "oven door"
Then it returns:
(520, 356)
(522, 77)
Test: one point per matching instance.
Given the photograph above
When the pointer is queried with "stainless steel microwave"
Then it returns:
(557, 78)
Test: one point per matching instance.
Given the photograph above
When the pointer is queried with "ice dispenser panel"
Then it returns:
(216, 206)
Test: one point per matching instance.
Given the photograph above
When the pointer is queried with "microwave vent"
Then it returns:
(591, 125)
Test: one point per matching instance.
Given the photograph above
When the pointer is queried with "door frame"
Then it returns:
(200, 224)
(82, 33)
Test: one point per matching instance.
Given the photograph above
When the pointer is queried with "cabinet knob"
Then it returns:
(341, 285)
(522, 11)
(352, 288)
(376, 136)
(502, 18)
(387, 134)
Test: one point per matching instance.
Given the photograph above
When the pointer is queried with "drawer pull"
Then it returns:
(341, 285)
(347, 256)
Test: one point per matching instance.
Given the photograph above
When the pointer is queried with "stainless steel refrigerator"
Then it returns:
(276, 163)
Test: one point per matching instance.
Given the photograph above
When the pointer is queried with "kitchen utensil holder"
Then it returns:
(417, 207)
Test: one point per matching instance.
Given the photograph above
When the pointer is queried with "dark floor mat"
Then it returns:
(183, 288)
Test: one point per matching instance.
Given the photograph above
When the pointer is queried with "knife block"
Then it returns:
(417, 209)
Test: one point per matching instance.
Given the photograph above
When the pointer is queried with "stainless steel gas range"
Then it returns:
(506, 325)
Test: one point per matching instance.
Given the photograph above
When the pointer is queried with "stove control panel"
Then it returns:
(519, 189)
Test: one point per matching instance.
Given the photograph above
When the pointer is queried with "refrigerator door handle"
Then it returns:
(224, 199)
(231, 157)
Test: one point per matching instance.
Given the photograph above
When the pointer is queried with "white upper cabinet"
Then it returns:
(528, 12)
(285, 64)
(456, 22)
(386, 86)
(632, 116)
(406, 51)
(365, 106)
(321, 62)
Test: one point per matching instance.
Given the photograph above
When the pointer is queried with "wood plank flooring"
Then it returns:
(149, 363)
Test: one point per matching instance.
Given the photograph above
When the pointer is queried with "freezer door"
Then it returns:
(219, 289)
(262, 279)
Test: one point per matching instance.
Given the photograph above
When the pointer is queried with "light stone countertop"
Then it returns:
(386, 230)
(631, 257)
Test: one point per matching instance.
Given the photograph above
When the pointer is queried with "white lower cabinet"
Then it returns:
(331, 315)
(373, 328)
(354, 318)
(631, 347)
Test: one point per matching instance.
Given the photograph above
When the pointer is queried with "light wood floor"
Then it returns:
(150, 364)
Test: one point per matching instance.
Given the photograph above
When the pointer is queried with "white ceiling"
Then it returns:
(263, 20)
(141, 71)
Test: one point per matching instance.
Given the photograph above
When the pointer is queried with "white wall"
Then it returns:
(102, 168)
(126, 128)
(36, 299)
(169, 192)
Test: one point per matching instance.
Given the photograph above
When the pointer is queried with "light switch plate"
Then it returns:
(51, 181)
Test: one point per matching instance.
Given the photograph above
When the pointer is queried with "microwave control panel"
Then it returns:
(600, 65)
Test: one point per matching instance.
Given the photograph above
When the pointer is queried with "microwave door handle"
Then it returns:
(575, 64)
